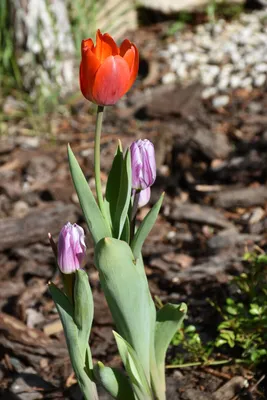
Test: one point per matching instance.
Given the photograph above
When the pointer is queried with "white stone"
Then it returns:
(223, 83)
(209, 92)
(247, 82)
(220, 101)
(169, 78)
(190, 58)
(235, 81)
(174, 64)
(261, 67)
(173, 48)
(207, 79)
(260, 80)
(182, 71)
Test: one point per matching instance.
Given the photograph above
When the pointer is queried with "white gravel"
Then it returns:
(223, 57)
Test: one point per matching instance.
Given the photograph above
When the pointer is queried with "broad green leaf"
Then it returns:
(95, 221)
(113, 184)
(145, 228)
(134, 368)
(126, 290)
(124, 196)
(65, 311)
(169, 320)
(83, 308)
(114, 382)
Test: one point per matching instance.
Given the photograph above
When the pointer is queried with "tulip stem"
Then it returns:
(98, 186)
(134, 212)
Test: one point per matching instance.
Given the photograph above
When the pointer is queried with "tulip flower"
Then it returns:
(143, 164)
(107, 71)
(144, 197)
(71, 248)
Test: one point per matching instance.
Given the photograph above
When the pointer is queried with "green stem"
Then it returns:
(134, 212)
(194, 364)
(68, 282)
(98, 127)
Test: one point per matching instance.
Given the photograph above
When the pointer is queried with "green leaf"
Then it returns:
(145, 228)
(229, 336)
(114, 382)
(92, 214)
(134, 368)
(124, 196)
(113, 184)
(126, 290)
(83, 308)
(169, 320)
(65, 311)
(220, 342)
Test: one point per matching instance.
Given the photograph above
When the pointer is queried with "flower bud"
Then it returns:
(144, 197)
(71, 248)
(143, 164)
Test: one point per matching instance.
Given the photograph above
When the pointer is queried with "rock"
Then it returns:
(260, 68)
(235, 81)
(256, 215)
(20, 209)
(228, 55)
(247, 82)
(169, 78)
(209, 92)
(220, 101)
(28, 142)
(260, 80)
(241, 197)
(223, 85)
(170, 6)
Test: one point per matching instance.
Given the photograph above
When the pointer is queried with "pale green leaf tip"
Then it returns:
(115, 334)
(119, 144)
(100, 365)
(107, 240)
(183, 308)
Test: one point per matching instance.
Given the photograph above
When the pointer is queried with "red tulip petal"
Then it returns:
(111, 81)
(87, 43)
(88, 68)
(126, 45)
(131, 56)
(105, 46)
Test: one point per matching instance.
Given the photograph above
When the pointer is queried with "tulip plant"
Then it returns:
(142, 333)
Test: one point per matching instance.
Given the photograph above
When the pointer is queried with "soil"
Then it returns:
(212, 164)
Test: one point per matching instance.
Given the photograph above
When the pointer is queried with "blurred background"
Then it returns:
(201, 98)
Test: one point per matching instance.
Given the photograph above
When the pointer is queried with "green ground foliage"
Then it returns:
(242, 332)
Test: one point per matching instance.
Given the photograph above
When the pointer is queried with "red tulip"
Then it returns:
(107, 71)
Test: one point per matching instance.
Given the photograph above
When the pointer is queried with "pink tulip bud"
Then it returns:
(144, 197)
(143, 164)
(71, 248)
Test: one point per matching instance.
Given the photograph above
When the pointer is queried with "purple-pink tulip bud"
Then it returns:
(144, 197)
(71, 248)
(143, 164)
